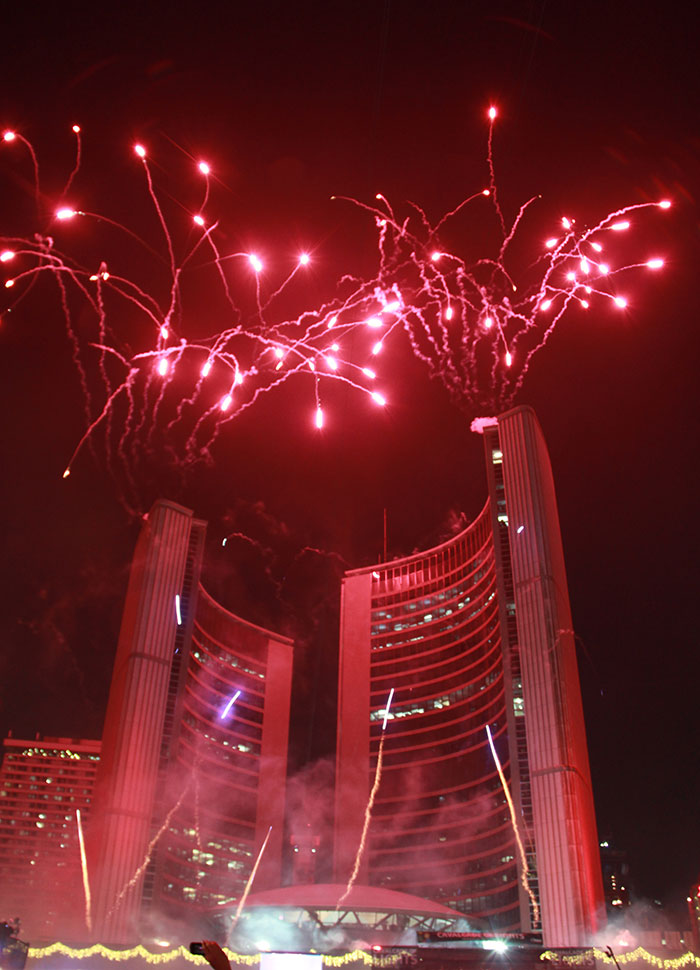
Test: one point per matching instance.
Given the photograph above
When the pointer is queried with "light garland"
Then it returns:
(135, 952)
(246, 959)
(665, 963)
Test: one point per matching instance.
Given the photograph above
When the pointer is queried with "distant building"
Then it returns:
(616, 877)
(473, 634)
(195, 745)
(43, 784)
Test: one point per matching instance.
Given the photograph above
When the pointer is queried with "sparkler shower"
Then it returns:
(155, 380)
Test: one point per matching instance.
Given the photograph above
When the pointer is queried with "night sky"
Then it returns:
(599, 107)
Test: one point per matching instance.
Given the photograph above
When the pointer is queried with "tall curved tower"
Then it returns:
(473, 634)
(189, 783)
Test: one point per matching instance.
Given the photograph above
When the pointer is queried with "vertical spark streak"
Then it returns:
(83, 866)
(251, 877)
(368, 811)
(511, 808)
(178, 610)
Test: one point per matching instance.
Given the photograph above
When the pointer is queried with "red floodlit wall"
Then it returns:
(568, 860)
(126, 779)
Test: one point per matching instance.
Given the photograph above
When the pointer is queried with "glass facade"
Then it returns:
(43, 783)
(440, 823)
(210, 846)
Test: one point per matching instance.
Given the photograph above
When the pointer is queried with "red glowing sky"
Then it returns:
(291, 106)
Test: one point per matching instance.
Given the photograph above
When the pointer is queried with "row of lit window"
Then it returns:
(217, 652)
(406, 608)
(436, 703)
(52, 753)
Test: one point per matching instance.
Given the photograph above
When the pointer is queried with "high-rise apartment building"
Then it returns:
(474, 637)
(195, 745)
(46, 789)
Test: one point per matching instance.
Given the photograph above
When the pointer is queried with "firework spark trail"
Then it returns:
(84, 868)
(368, 809)
(251, 878)
(78, 157)
(149, 852)
(365, 826)
(524, 870)
(474, 325)
(229, 705)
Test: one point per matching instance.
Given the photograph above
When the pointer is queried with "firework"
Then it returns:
(514, 822)
(368, 809)
(151, 377)
(149, 852)
(84, 868)
(251, 878)
(229, 705)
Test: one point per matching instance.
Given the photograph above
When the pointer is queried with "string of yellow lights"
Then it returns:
(664, 963)
(167, 956)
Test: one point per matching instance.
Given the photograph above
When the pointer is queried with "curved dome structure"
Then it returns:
(324, 917)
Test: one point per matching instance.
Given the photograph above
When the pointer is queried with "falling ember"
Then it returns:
(513, 819)
(509, 359)
(178, 611)
(163, 366)
(6, 255)
(65, 213)
(83, 866)
(378, 398)
(226, 711)
(9, 136)
(66, 473)
(140, 151)
(204, 168)
(251, 877)
(304, 259)
(319, 417)
(255, 262)
(620, 301)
